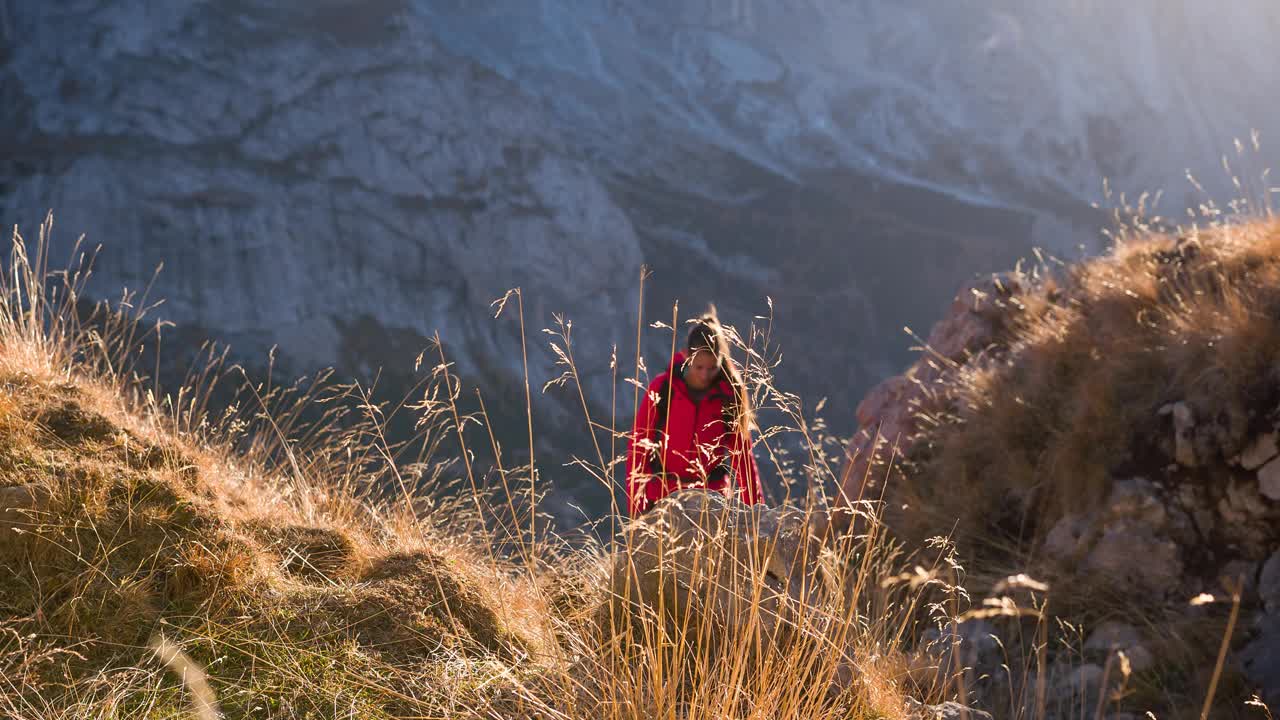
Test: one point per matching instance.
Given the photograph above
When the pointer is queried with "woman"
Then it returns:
(693, 427)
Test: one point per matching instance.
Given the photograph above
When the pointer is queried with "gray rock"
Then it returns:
(1259, 452)
(1130, 540)
(1075, 690)
(1113, 636)
(1071, 690)
(1269, 583)
(1242, 503)
(1269, 480)
(1261, 660)
(1184, 441)
(1066, 540)
(1130, 553)
(1131, 545)
(979, 650)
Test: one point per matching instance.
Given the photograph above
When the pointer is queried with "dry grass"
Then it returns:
(1069, 399)
(261, 542)
(1095, 350)
(306, 566)
(287, 552)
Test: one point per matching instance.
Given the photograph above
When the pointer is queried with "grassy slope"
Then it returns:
(263, 543)
(290, 605)
(259, 541)
(128, 519)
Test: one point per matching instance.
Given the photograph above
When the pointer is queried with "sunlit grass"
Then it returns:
(283, 556)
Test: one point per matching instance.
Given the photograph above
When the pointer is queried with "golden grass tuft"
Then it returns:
(239, 540)
(1039, 425)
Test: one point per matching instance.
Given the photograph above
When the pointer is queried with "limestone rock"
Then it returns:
(974, 319)
(1269, 584)
(882, 400)
(1127, 541)
(1066, 538)
(1073, 683)
(887, 414)
(1261, 660)
(1074, 689)
(1269, 480)
(1262, 450)
(975, 640)
(1183, 433)
(1112, 636)
(1130, 553)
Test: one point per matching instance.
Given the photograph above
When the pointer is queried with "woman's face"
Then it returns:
(700, 370)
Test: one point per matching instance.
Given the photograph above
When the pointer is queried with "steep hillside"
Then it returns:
(278, 558)
(129, 527)
(1110, 425)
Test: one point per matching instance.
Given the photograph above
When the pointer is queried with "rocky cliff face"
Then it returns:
(303, 176)
(342, 179)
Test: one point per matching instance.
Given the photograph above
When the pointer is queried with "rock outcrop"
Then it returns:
(888, 417)
(1121, 425)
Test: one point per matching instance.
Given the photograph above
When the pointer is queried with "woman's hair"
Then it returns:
(707, 333)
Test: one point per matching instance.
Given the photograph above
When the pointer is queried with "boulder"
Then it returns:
(1209, 429)
(975, 318)
(1127, 541)
(1269, 480)
(881, 400)
(887, 415)
(887, 421)
(1262, 450)
(972, 647)
(1261, 660)
(1075, 686)
(1075, 690)
(1112, 636)
(1269, 584)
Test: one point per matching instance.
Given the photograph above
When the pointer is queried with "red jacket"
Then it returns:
(700, 447)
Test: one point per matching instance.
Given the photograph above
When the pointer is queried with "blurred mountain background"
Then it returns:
(341, 179)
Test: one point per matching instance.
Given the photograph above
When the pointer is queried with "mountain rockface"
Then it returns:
(343, 179)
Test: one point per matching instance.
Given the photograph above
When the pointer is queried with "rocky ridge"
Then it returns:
(1189, 504)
